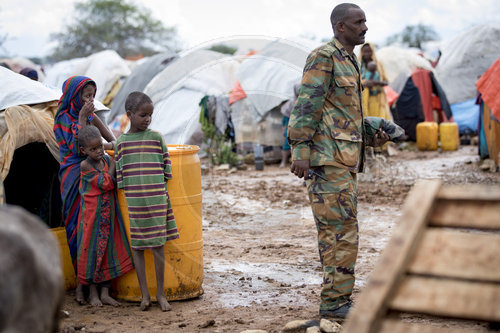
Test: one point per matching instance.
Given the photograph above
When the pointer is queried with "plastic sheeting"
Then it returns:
(176, 93)
(17, 89)
(466, 115)
(139, 79)
(399, 64)
(104, 68)
(489, 85)
(465, 58)
(268, 77)
(20, 125)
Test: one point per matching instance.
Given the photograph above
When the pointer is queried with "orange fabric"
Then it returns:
(236, 93)
(422, 81)
(436, 102)
(489, 86)
(392, 95)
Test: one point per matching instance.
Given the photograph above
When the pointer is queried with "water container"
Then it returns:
(258, 155)
(427, 135)
(67, 266)
(183, 256)
(448, 136)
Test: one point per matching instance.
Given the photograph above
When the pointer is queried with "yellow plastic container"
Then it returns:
(183, 256)
(448, 136)
(427, 135)
(67, 266)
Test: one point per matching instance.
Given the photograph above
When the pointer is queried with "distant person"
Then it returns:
(286, 110)
(143, 168)
(30, 73)
(103, 248)
(373, 75)
(327, 137)
(374, 98)
(75, 111)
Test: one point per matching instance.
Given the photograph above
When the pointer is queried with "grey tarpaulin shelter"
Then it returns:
(139, 79)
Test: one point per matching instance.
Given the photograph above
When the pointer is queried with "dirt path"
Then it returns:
(260, 254)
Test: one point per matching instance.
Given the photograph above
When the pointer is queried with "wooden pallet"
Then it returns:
(443, 260)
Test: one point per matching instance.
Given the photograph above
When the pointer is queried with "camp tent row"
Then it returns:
(252, 85)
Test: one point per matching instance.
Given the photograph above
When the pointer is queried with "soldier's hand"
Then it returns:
(300, 168)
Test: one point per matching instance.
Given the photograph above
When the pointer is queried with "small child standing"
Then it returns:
(103, 249)
(143, 169)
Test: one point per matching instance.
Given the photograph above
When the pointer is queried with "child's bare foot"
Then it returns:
(94, 296)
(106, 299)
(80, 298)
(163, 303)
(145, 303)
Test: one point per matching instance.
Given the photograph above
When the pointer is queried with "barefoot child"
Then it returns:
(143, 168)
(103, 249)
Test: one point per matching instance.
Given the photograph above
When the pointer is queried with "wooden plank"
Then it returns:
(455, 254)
(448, 298)
(372, 302)
(466, 214)
(396, 326)
(476, 192)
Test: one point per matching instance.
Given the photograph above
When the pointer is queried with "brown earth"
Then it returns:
(260, 255)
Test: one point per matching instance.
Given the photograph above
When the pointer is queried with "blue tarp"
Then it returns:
(466, 115)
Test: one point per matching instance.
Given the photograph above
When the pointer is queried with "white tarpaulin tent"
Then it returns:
(268, 77)
(18, 89)
(104, 68)
(465, 58)
(139, 79)
(399, 63)
(177, 90)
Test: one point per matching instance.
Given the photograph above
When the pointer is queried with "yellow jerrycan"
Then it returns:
(448, 136)
(427, 135)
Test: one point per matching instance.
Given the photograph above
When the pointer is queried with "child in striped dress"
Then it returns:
(142, 169)
(103, 252)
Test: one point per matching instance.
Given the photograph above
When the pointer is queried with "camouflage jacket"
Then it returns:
(326, 124)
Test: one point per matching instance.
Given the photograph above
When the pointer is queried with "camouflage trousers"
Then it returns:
(334, 206)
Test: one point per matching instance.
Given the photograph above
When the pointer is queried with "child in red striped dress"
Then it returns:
(143, 168)
(103, 252)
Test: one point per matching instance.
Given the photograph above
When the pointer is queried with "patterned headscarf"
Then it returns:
(71, 101)
(66, 124)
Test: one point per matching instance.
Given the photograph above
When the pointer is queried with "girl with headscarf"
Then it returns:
(374, 100)
(76, 109)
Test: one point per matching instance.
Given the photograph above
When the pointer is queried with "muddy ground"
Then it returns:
(260, 253)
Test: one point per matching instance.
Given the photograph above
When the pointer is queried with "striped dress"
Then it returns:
(103, 249)
(142, 169)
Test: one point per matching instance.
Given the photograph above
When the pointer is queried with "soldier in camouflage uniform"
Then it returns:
(327, 135)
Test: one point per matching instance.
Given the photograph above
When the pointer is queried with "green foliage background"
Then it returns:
(119, 25)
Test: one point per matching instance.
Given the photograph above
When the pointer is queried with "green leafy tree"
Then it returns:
(118, 25)
(414, 36)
